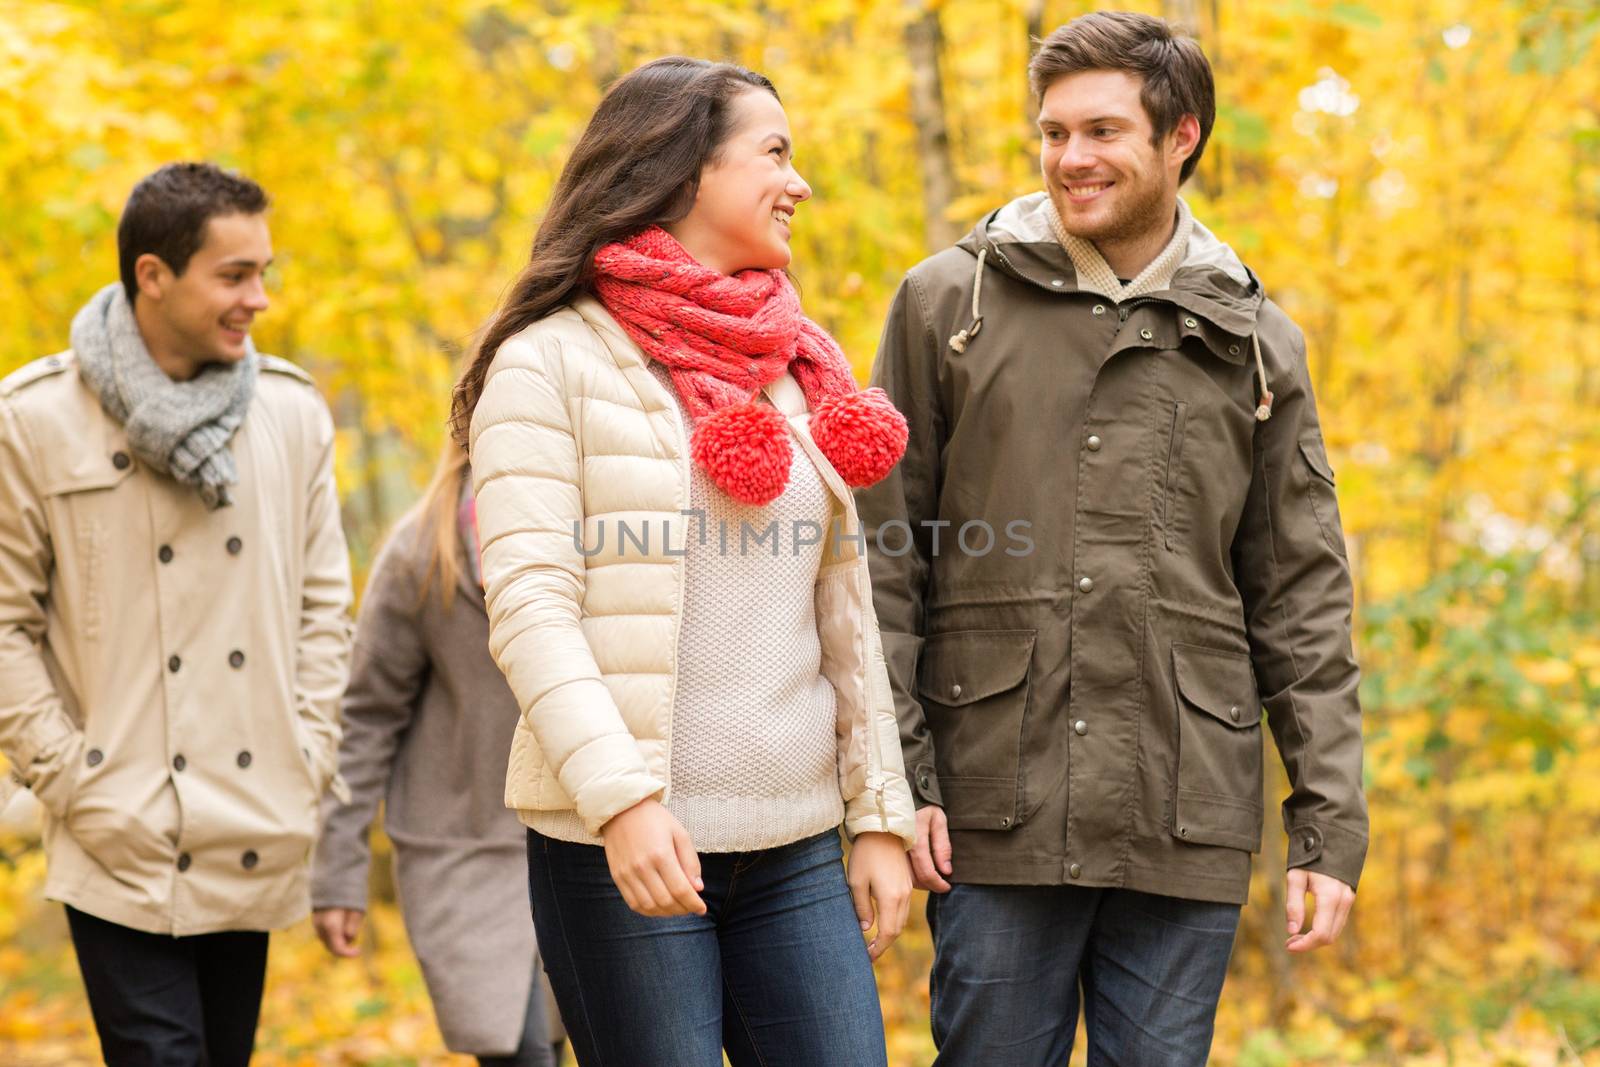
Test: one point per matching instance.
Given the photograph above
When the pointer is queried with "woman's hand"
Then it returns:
(880, 885)
(338, 929)
(653, 862)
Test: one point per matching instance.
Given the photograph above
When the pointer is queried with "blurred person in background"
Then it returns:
(174, 630)
(427, 724)
(700, 715)
(1083, 722)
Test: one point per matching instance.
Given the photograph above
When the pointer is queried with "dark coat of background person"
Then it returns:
(1090, 713)
(428, 719)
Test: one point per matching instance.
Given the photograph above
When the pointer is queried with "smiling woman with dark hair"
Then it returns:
(699, 716)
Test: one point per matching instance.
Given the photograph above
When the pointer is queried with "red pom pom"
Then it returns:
(862, 434)
(745, 450)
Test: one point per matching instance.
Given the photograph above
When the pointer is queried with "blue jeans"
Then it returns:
(776, 971)
(1009, 962)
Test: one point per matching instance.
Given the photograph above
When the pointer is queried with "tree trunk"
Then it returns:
(924, 45)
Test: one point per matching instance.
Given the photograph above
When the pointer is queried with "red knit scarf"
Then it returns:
(723, 337)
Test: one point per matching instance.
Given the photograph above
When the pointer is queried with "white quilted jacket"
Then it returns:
(573, 428)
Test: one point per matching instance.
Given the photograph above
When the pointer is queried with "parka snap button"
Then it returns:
(183, 861)
(121, 461)
(1233, 350)
(1005, 821)
(173, 663)
(249, 859)
(1311, 844)
(1190, 323)
(234, 545)
(93, 757)
(1146, 334)
(1093, 443)
(1080, 727)
(236, 659)
(164, 554)
(1183, 831)
(955, 690)
(1075, 871)
(1057, 282)
(179, 763)
(244, 760)
(1086, 584)
(1233, 712)
(1099, 309)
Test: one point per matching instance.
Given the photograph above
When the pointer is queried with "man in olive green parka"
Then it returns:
(1113, 540)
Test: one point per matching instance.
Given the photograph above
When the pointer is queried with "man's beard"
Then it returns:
(1139, 211)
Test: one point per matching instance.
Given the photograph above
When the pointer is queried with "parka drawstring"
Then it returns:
(1264, 408)
(958, 341)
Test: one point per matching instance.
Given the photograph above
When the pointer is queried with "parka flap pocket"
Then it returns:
(1219, 683)
(1316, 453)
(965, 666)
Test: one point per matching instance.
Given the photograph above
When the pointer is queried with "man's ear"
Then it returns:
(1183, 139)
(152, 275)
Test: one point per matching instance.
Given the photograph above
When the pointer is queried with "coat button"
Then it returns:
(173, 663)
(1093, 443)
(93, 757)
(234, 546)
(1183, 831)
(1190, 323)
(1006, 821)
(164, 554)
(1233, 713)
(249, 859)
(1057, 282)
(1086, 584)
(1233, 350)
(243, 759)
(236, 659)
(121, 461)
(1075, 871)
(179, 763)
(955, 690)
(1099, 309)
(183, 861)
(1080, 727)
(1146, 334)
(1311, 844)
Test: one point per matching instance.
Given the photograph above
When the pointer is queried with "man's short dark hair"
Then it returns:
(1176, 78)
(167, 213)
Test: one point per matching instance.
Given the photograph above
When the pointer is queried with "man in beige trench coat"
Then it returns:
(174, 634)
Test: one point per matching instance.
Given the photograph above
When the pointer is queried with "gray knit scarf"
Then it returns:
(179, 428)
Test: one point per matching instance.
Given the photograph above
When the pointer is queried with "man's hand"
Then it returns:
(930, 859)
(653, 862)
(880, 887)
(1333, 899)
(338, 929)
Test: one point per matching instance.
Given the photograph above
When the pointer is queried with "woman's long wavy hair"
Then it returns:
(637, 163)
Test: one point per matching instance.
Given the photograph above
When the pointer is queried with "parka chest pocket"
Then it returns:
(974, 689)
(1218, 790)
(88, 500)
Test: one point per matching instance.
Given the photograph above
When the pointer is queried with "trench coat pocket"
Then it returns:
(974, 689)
(1218, 789)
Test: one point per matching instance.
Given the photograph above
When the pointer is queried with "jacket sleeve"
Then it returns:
(322, 651)
(1290, 566)
(37, 736)
(527, 479)
(388, 672)
(907, 370)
